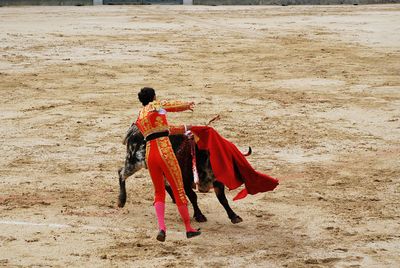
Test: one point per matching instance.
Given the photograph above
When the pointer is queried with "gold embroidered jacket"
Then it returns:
(152, 118)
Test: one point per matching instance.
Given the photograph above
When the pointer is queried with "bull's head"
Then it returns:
(205, 172)
(135, 153)
(206, 175)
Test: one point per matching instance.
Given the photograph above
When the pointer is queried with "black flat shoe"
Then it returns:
(193, 233)
(161, 236)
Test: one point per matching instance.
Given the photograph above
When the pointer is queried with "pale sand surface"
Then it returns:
(314, 90)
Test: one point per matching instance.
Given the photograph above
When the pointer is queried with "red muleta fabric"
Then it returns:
(230, 166)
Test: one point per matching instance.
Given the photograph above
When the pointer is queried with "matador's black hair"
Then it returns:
(146, 95)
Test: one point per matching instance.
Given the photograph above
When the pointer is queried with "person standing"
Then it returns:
(160, 157)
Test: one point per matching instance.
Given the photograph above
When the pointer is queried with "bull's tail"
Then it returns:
(248, 153)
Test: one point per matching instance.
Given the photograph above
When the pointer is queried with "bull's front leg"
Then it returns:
(198, 215)
(219, 189)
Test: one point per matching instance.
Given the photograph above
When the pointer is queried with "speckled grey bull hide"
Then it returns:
(135, 160)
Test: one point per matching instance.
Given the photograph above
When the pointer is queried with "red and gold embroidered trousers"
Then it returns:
(160, 157)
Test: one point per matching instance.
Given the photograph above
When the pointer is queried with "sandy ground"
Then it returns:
(314, 90)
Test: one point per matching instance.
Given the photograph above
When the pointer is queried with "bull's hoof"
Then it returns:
(121, 202)
(200, 218)
(122, 199)
(236, 219)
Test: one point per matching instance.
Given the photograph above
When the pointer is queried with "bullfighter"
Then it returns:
(160, 157)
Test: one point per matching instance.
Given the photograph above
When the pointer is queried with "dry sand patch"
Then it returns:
(314, 90)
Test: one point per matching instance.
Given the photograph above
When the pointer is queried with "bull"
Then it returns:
(182, 145)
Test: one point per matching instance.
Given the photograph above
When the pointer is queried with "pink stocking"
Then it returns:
(160, 211)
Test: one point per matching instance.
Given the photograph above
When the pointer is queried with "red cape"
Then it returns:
(230, 166)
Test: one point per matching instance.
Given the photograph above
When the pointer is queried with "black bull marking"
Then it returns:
(135, 160)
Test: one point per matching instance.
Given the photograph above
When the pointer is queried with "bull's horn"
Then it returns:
(249, 152)
(215, 118)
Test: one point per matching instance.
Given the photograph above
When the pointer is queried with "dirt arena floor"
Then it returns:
(315, 90)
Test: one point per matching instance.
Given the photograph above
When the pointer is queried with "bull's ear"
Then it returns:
(131, 130)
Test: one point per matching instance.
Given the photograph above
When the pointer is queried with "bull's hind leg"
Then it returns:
(219, 189)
